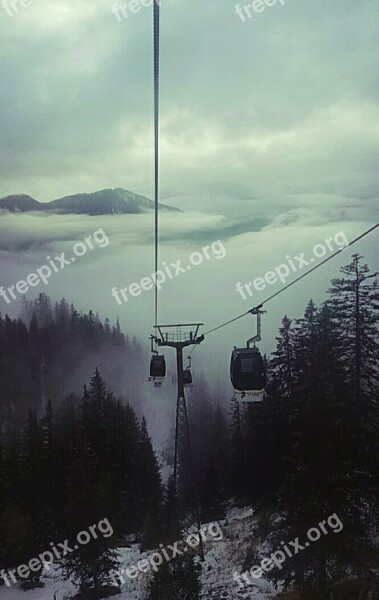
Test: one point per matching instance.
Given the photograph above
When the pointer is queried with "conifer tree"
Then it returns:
(32, 501)
(176, 580)
(354, 301)
(282, 364)
(170, 514)
(88, 491)
(150, 489)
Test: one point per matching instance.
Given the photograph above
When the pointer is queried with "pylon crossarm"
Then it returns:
(184, 334)
(180, 344)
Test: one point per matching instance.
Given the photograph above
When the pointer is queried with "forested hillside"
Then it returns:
(50, 351)
(71, 468)
(309, 451)
(313, 449)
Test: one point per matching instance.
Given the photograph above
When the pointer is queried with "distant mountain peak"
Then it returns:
(103, 202)
(19, 203)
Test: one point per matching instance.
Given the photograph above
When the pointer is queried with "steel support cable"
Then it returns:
(156, 27)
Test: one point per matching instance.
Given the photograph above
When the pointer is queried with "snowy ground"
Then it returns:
(222, 559)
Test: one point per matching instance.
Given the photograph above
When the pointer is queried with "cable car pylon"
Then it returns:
(185, 335)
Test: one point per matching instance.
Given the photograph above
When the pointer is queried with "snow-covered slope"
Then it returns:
(223, 557)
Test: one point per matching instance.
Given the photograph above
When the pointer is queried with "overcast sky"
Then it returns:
(285, 102)
(269, 130)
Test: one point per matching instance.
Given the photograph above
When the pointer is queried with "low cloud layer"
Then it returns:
(206, 294)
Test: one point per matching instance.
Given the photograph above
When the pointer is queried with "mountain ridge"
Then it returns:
(103, 202)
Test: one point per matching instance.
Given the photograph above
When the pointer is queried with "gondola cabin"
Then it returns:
(187, 377)
(157, 369)
(248, 373)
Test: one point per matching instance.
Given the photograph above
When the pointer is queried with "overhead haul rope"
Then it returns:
(255, 308)
(156, 22)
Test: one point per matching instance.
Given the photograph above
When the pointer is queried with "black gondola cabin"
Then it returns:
(158, 367)
(187, 377)
(247, 370)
